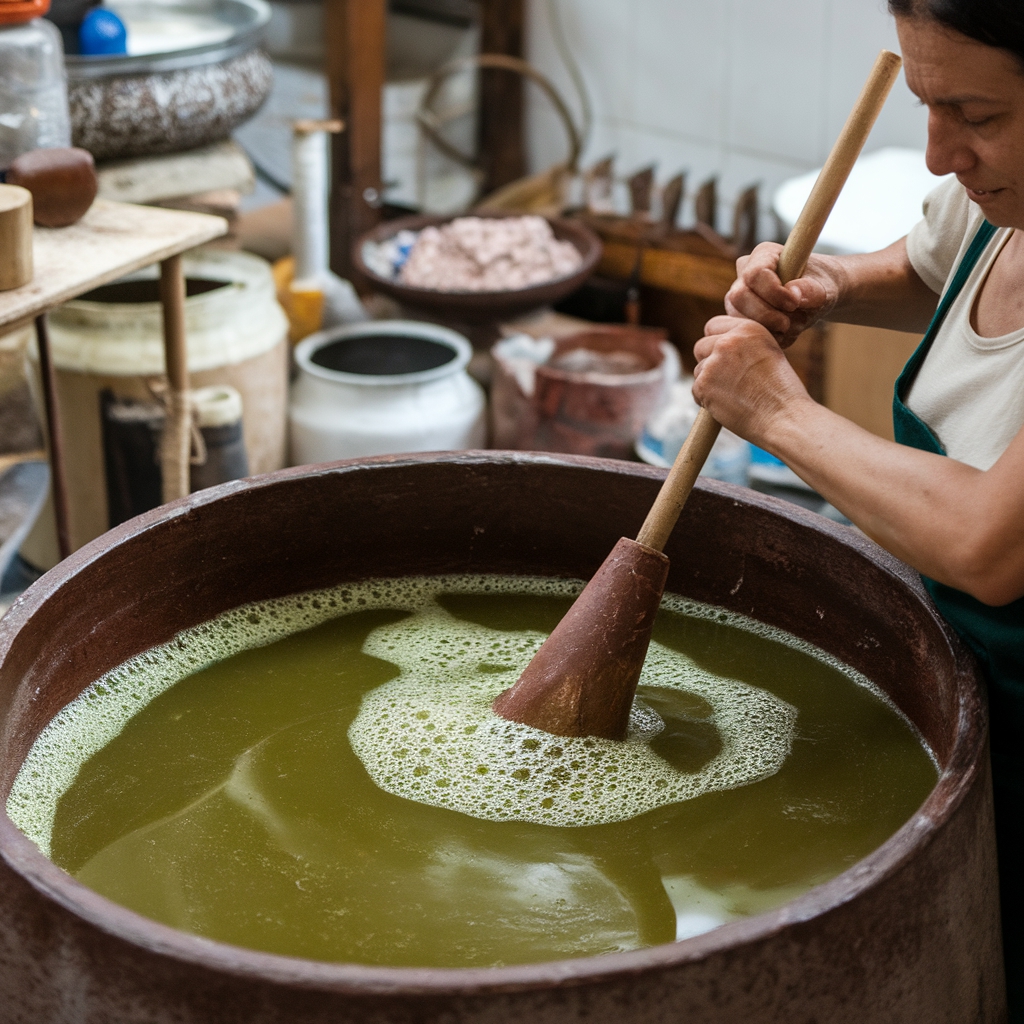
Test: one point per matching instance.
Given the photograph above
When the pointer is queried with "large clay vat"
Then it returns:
(909, 934)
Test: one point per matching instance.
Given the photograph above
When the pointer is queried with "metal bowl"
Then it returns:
(193, 73)
(171, 35)
(480, 307)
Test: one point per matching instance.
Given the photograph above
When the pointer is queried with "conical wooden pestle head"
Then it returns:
(582, 680)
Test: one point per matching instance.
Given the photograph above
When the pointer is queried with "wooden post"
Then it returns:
(15, 236)
(177, 439)
(356, 37)
(58, 476)
(500, 134)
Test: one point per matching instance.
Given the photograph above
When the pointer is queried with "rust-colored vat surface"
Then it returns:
(909, 934)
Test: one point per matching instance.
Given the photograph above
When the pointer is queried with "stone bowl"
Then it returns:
(210, 78)
(480, 307)
(909, 934)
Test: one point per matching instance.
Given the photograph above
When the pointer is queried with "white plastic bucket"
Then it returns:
(236, 336)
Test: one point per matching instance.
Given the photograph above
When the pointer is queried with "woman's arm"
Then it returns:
(961, 526)
(879, 289)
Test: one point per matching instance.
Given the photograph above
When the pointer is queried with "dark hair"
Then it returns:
(998, 23)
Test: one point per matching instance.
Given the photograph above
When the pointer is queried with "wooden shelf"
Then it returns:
(110, 241)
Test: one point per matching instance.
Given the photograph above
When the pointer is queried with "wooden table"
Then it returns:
(110, 241)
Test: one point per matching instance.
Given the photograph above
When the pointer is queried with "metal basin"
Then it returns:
(192, 74)
(908, 934)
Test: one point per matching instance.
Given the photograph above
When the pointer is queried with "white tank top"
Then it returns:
(970, 389)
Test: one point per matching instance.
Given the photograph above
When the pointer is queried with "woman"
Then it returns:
(948, 497)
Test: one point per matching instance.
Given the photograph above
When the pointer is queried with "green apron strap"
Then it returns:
(916, 433)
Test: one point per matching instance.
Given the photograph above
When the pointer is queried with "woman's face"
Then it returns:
(975, 99)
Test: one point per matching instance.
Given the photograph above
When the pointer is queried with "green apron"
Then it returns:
(996, 635)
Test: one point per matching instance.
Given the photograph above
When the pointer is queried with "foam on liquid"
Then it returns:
(430, 735)
(421, 737)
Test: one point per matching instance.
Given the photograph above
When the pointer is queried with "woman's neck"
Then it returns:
(999, 308)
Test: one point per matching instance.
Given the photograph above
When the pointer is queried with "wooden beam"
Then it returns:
(356, 42)
(701, 276)
(500, 133)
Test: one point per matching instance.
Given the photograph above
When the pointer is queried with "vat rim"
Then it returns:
(967, 760)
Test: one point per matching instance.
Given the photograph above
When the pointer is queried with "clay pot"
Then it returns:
(410, 394)
(111, 340)
(909, 934)
(560, 408)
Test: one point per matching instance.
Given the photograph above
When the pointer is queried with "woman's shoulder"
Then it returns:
(935, 243)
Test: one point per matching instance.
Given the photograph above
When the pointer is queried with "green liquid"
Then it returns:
(233, 806)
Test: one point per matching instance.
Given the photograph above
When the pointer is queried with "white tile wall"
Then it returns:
(682, 67)
(858, 30)
(753, 90)
(777, 70)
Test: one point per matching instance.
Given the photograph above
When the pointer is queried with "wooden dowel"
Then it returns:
(58, 474)
(665, 511)
(177, 438)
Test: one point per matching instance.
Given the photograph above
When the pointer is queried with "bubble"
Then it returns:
(447, 684)
(103, 709)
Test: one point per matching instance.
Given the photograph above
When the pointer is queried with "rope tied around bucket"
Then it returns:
(184, 404)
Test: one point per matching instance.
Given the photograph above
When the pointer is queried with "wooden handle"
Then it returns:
(664, 513)
(804, 236)
(661, 520)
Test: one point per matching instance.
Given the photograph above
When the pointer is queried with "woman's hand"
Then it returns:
(959, 525)
(785, 310)
(743, 378)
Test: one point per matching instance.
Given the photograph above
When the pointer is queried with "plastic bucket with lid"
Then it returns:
(111, 339)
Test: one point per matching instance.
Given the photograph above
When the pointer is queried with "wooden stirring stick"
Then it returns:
(801, 242)
(582, 680)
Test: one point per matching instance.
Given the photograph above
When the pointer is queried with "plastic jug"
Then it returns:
(33, 84)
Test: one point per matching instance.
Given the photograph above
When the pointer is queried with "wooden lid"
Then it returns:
(13, 196)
